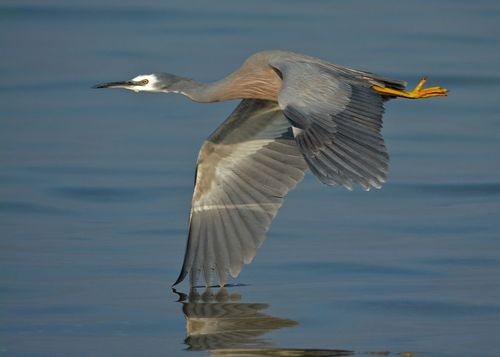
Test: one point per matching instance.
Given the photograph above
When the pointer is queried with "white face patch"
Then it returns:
(147, 87)
(151, 83)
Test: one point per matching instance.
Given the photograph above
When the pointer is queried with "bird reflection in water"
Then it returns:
(220, 323)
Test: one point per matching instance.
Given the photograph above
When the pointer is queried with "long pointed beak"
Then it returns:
(125, 84)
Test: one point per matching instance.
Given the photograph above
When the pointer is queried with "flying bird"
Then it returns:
(296, 112)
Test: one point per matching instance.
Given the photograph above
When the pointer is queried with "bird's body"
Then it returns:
(297, 112)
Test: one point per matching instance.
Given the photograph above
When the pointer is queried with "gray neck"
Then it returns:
(198, 92)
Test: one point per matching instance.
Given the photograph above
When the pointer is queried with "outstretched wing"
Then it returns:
(244, 170)
(337, 119)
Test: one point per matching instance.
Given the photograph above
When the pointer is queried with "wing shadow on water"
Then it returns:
(218, 322)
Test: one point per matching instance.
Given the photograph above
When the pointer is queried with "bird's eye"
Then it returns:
(144, 82)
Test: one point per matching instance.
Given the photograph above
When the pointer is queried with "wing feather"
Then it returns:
(245, 169)
(336, 119)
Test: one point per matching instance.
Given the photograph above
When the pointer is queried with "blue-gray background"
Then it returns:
(95, 186)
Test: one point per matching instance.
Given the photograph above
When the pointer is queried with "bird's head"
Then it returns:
(156, 82)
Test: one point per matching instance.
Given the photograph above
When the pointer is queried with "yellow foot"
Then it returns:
(417, 93)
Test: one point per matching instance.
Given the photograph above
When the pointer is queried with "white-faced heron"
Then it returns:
(297, 112)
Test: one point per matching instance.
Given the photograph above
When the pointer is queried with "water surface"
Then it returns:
(95, 186)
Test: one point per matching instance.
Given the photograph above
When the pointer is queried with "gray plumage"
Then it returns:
(297, 112)
(340, 138)
(244, 170)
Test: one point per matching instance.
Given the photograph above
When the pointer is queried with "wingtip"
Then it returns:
(181, 277)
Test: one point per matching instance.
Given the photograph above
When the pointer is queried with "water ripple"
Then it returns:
(107, 194)
(471, 189)
(422, 307)
(29, 208)
(353, 268)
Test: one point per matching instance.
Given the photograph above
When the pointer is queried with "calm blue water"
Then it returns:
(95, 186)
